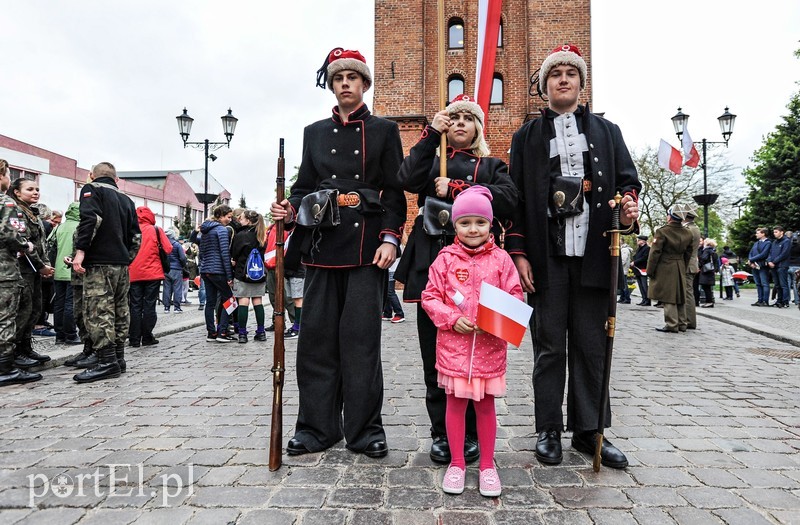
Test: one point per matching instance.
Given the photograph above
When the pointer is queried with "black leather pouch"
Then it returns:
(319, 210)
(566, 197)
(436, 217)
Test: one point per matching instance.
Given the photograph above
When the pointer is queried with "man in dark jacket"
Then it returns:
(778, 262)
(671, 252)
(639, 264)
(339, 348)
(561, 254)
(758, 262)
(106, 241)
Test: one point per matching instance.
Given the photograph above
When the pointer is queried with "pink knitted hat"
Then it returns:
(475, 200)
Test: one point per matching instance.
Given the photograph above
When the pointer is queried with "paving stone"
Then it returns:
(464, 518)
(230, 496)
(651, 516)
(611, 517)
(590, 497)
(407, 498)
(221, 475)
(555, 477)
(212, 458)
(410, 477)
(710, 498)
(170, 516)
(294, 497)
(62, 516)
(516, 517)
(317, 476)
(670, 477)
(771, 498)
(269, 517)
(356, 497)
(787, 517)
(324, 517)
(655, 497)
(566, 517)
(214, 516)
(743, 516)
(694, 516)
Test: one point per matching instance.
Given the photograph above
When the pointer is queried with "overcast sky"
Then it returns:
(104, 80)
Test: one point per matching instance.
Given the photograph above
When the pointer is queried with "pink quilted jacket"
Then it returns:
(458, 272)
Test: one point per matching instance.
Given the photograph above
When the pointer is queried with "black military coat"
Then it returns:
(418, 172)
(609, 167)
(364, 153)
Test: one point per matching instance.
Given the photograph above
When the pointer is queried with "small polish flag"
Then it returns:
(503, 315)
(230, 305)
(458, 298)
(669, 158)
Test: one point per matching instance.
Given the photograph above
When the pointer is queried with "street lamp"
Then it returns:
(185, 128)
(726, 121)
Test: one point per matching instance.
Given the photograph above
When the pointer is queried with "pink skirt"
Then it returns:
(475, 389)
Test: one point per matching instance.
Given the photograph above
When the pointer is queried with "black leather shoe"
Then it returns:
(440, 450)
(548, 447)
(376, 449)
(296, 448)
(667, 330)
(472, 451)
(23, 361)
(610, 455)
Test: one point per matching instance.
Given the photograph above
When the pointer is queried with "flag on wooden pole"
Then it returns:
(503, 315)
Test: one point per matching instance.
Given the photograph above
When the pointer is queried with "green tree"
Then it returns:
(242, 202)
(774, 181)
(185, 225)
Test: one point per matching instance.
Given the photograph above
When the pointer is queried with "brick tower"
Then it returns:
(406, 59)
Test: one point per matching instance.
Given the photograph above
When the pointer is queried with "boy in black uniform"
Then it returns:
(350, 207)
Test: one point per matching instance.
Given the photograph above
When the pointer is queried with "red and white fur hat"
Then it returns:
(340, 59)
(568, 54)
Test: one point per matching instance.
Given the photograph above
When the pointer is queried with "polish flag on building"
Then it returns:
(488, 33)
(689, 151)
(669, 158)
(503, 315)
(230, 305)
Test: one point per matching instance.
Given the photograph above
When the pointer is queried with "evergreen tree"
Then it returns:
(242, 202)
(185, 225)
(774, 181)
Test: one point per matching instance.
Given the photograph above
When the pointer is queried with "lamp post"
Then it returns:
(185, 127)
(726, 121)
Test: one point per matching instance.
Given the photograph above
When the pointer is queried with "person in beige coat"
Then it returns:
(688, 212)
(666, 269)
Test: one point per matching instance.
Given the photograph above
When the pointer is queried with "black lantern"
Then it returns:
(184, 125)
(229, 125)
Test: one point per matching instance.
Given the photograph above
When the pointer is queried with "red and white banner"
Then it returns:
(503, 315)
(669, 158)
(692, 158)
(488, 32)
(230, 305)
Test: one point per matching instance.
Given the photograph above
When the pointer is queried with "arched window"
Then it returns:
(497, 89)
(455, 86)
(455, 34)
(500, 35)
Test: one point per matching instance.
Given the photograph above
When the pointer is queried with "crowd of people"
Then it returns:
(680, 270)
(534, 229)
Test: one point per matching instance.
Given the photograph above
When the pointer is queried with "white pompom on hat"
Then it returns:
(568, 54)
(465, 103)
(340, 59)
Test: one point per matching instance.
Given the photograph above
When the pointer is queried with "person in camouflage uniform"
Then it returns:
(33, 267)
(106, 241)
(12, 241)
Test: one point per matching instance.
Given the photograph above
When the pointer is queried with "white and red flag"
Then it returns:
(690, 155)
(669, 158)
(503, 315)
(230, 305)
(488, 33)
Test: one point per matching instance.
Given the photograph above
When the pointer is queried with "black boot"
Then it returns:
(119, 349)
(85, 353)
(9, 375)
(26, 348)
(106, 368)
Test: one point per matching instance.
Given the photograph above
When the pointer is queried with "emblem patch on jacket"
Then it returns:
(462, 274)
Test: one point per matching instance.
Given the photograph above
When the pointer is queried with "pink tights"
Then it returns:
(486, 421)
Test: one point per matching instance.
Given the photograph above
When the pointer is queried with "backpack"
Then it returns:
(255, 265)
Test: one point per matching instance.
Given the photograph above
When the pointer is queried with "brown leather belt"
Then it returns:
(348, 199)
(587, 185)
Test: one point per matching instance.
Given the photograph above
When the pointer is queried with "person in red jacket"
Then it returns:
(146, 276)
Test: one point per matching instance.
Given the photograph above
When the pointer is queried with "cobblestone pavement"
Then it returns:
(709, 421)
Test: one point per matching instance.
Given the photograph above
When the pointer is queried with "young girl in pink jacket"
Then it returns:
(471, 363)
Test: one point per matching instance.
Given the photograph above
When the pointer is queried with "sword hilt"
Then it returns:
(615, 223)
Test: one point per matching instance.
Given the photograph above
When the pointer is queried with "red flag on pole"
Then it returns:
(669, 158)
(488, 33)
